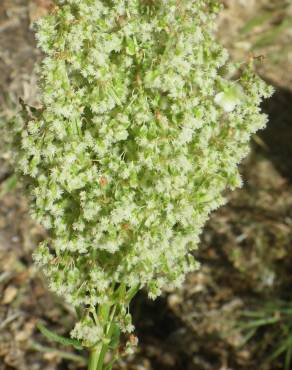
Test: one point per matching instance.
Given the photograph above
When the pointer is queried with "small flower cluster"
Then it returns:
(138, 137)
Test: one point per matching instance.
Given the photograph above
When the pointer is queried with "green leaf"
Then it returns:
(132, 292)
(59, 338)
(103, 312)
(115, 339)
(256, 21)
(61, 354)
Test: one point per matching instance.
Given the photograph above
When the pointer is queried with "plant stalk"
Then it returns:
(101, 358)
(93, 358)
(105, 346)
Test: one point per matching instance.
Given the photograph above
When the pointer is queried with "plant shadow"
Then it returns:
(278, 134)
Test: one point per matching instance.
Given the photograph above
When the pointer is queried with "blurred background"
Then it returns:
(233, 314)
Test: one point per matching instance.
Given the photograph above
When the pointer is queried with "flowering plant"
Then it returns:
(139, 135)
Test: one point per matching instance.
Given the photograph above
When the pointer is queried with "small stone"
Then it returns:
(173, 300)
(9, 295)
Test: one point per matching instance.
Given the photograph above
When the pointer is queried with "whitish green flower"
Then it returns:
(138, 138)
(230, 98)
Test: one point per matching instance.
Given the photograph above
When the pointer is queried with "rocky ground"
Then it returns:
(245, 250)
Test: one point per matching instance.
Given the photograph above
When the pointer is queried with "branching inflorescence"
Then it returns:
(138, 136)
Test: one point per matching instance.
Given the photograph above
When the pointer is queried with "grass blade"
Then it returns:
(281, 349)
(256, 21)
(248, 336)
(260, 322)
(288, 356)
(269, 37)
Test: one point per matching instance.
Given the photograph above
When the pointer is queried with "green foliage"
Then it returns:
(270, 37)
(115, 339)
(138, 138)
(257, 20)
(58, 338)
(272, 23)
(275, 318)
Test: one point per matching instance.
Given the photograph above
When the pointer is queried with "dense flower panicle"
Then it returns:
(138, 136)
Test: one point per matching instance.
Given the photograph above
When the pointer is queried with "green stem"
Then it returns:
(106, 314)
(105, 346)
(101, 358)
(93, 358)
